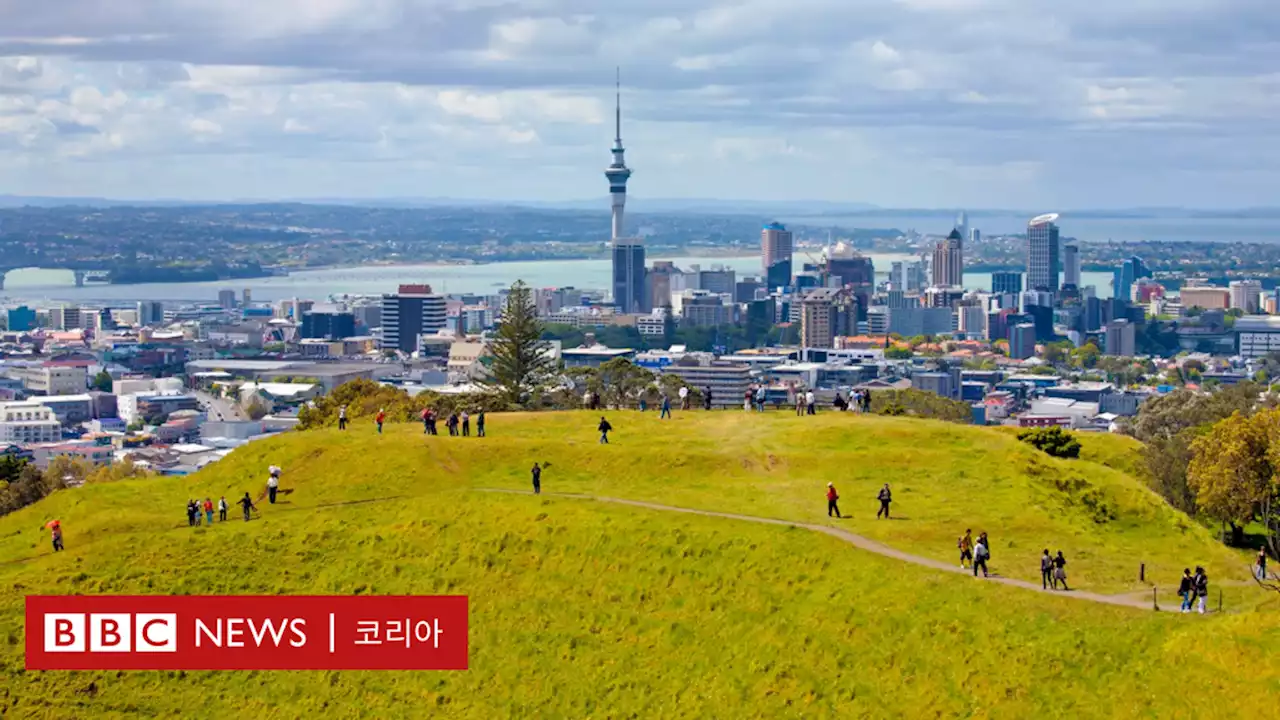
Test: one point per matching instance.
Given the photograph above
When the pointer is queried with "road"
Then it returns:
(219, 409)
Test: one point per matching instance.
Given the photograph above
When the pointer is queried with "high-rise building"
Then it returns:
(775, 254)
(1006, 282)
(1246, 295)
(628, 253)
(328, 324)
(1022, 341)
(975, 236)
(248, 297)
(1130, 271)
(907, 276)
(825, 314)
(66, 317)
(948, 261)
(962, 224)
(150, 312)
(1043, 254)
(658, 279)
(1120, 338)
(848, 268)
(22, 319)
(1206, 297)
(718, 280)
(227, 299)
(1071, 265)
(409, 313)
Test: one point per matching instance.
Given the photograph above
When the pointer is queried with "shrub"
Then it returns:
(1052, 440)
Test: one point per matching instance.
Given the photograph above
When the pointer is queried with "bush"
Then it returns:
(1052, 440)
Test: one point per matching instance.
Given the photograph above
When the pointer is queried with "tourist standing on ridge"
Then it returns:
(866, 401)
(748, 399)
(426, 417)
(1201, 585)
(342, 418)
(832, 497)
(480, 424)
(706, 398)
(208, 510)
(1046, 571)
(452, 424)
(432, 417)
(537, 479)
(799, 402)
(966, 547)
(191, 512)
(466, 424)
(604, 427)
(666, 408)
(1060, 571)
(1186, 587)
(379, 418)
(247, 504)
(222, 509)
(980, 556)
(273, 483)
(760, 397)
(885, 497)
(1262, 563)
(809, 400)
(684, 397)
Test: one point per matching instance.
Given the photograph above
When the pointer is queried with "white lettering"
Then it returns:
(235, 630)
(297, 626)
(110, 632)
(261, 631)
(215, 636)
(155, 632)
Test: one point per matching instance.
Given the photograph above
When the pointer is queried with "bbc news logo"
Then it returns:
(246, 633)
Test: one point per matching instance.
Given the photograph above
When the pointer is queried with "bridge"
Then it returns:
(82, 274)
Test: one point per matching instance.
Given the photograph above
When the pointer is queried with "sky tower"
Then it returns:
(629, 273)
(618, 173)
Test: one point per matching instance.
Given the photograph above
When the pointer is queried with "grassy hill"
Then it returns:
(586, 609)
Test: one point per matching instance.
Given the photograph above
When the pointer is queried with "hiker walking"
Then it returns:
(222, 509)
(1186, 589)
(1262, 563)
(1201, 585)
(832, 498)
(980, 556)
(666, 408)
(480, 424)
(684, 397)
(247, 503)
(1060, 571)
(55, 530)
(208, 510)
(342, 418)
(379, 418)
(604, 427)
(537, 479)
(273, 483)
(965, 543)
(885, 497)
(1046, 571)
(466, 424)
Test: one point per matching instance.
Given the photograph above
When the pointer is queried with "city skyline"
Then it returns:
(916, 104)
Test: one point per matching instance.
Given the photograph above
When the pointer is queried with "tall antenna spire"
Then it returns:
(617, 108)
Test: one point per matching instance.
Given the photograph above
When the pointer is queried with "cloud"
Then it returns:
(899, 102)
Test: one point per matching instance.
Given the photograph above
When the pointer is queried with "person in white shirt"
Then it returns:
(273, 483)
(684, 398)
(342, 418)
(809, 400)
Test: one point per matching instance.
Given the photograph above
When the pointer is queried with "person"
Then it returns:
(748, 398)
(644, 404)
(604, 427)
(885, 497)
(980, 556)
(1060, 571)
(480, 424)
(247, 503)
(832, 497)
(684, 397)
(191, 512)
(799, 402)
(431, 421)
(1186, 587)
(809, 400)
(342, 418)
(1262, 563)
(466, 424)
(839, 403)
(586, 400)
(452, 423)
(706, 398)
(1046, 571)
(986, 542)
(273, 484)
(57, 536)
(866, 401)
(966, 547)
(760, 397)
(426, 417)
(379, 418)
(222, 509)
(208, 510)
(1201, 581)
(666, 408)
(537, 479)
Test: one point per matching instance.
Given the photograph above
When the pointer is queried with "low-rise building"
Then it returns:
(727, 381)
(25, 423)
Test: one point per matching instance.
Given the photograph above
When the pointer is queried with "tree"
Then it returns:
(1230, 471)
(898, 352)
(102, 381)
(1086, 356)
(257, 409)
(1052, 440)
(520, 362)
(623, 381)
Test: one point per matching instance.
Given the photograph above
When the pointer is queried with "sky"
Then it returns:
(900, 103)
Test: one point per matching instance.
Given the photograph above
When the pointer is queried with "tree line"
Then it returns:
(23, 484)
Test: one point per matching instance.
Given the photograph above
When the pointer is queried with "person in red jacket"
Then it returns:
(832, 497)
(381, 416)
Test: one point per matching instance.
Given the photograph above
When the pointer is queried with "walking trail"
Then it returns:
(862, 543)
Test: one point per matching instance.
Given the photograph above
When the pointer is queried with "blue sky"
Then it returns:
(902, 103)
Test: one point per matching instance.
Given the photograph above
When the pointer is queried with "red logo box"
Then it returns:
(246, 632)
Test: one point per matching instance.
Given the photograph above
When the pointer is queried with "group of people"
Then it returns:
(859, 401)
(458, 424)
(976, 552)
(1193, 589)
(885, 496)
(1053, 570)
(196, 510)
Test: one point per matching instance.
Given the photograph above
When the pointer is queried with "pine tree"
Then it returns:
(520, 363)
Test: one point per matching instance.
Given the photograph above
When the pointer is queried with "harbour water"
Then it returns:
(41, 287)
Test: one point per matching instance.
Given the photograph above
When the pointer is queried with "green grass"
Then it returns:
(584, 609)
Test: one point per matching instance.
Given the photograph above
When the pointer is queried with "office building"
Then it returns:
(1246, 295)
(1205, 297)
(748, 290)
(1043, 253)
(948, 261)
(1071, 265)
(718, 280)
(972, 321)
(776, 249)
(151, 313)
(699, 308)
(825, 314)
(1257, 336)
(1130, 271)
(728, 381)
(1006, 282)
(53, 378)
(1022, 341)
(65, 317)
(328, 324)
(1120, 338)
(21, 319)
(907, 276)
(28, 423)
(975, 236)
(412, 311)
(227, 299)
(910, 322)
(659, 280)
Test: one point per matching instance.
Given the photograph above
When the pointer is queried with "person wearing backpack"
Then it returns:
(1201, 581)
(1060, 571)
(1046, 571)
(885, 497)
(1186, 587)
(980, 555)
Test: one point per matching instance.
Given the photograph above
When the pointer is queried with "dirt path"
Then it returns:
(1131, 600)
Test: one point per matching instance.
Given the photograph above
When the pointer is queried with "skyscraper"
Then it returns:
(775, 254)
(628, 253)
(1129, 273)
(1043, 254)
(962, 224)
(410, 313)
(1003, 282)
(948, 261)
(1071, 266)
